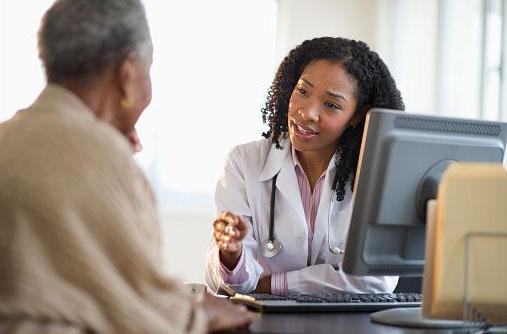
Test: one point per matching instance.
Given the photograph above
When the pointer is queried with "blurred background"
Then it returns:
(214, 62)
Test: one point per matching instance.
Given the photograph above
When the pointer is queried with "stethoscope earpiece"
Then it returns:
(334, 249)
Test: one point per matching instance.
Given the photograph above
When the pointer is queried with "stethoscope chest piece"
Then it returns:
(271, 248)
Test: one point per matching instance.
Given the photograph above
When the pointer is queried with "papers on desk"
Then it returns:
(466, 245)
(246, 300)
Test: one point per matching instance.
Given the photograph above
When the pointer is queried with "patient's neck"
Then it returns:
(100, 96)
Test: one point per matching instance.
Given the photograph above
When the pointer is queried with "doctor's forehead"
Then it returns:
(328, 75)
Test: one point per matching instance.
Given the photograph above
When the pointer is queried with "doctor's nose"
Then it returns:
(309, 113)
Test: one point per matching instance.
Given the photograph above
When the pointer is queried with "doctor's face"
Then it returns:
(321, 107)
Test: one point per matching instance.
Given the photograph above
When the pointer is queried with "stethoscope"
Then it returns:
(272, 247)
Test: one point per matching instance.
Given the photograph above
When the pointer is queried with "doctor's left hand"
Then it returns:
(229, 230)
(264, 285)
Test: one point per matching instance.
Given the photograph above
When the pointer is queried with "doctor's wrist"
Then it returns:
(264, 285)
(230, 259)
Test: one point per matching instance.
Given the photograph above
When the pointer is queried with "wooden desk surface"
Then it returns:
(316, 323)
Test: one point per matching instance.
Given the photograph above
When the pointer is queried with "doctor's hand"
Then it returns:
(264, 285)
(229, 230)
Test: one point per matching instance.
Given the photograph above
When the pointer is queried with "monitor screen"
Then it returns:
(401, 160)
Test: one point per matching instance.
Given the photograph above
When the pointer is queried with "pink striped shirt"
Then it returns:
(311, 202)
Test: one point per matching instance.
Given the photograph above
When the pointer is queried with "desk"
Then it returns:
(316, 323)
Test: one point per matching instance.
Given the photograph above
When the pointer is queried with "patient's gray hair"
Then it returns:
(78, 39)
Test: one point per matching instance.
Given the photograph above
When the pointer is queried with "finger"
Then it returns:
(219, 225)
(241, 308)
(233, 246)
(229, 218)
(236, 234)
(242, 226)
(222, 245)
(217, 235)
(134, 141)
(229, 229)
(229, 234)
(223, 215)
(244, 316)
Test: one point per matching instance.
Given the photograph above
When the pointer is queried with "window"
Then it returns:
(446, 55)
(494, 86)
(472, 35)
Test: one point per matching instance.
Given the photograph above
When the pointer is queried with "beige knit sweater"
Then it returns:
(79, 239)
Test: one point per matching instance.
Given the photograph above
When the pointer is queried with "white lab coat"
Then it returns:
(244, 188)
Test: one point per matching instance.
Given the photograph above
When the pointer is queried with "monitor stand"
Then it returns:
(412, 317)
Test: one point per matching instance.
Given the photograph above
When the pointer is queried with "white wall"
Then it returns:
(21, 76)
(403, 32)
(302, 19)
(211, 72)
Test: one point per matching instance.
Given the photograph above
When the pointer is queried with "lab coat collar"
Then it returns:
(275, 159)
(279, 161)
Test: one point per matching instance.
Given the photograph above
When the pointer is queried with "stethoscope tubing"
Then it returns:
(335, 250)
(272, 209)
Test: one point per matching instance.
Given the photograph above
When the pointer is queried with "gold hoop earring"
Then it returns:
(128, 102)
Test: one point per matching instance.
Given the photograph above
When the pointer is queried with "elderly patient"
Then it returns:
(78, 222)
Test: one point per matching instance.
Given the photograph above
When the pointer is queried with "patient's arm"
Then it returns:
(223, 314)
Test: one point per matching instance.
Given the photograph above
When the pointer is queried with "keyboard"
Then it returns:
(339, 302)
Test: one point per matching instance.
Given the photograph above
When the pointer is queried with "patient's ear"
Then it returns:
(127, 75)
(133, 85)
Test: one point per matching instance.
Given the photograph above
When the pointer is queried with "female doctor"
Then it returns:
(285, 201)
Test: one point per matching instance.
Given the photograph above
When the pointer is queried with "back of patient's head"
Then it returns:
(80, 39)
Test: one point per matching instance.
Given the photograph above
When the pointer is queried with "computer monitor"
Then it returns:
(401, 160)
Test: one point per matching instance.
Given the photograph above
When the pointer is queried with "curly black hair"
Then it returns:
(375, 87)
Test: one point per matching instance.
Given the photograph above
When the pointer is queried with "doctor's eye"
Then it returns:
(332, 106)
(302, 91)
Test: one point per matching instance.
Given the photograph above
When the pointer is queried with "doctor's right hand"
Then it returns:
(229, 230)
